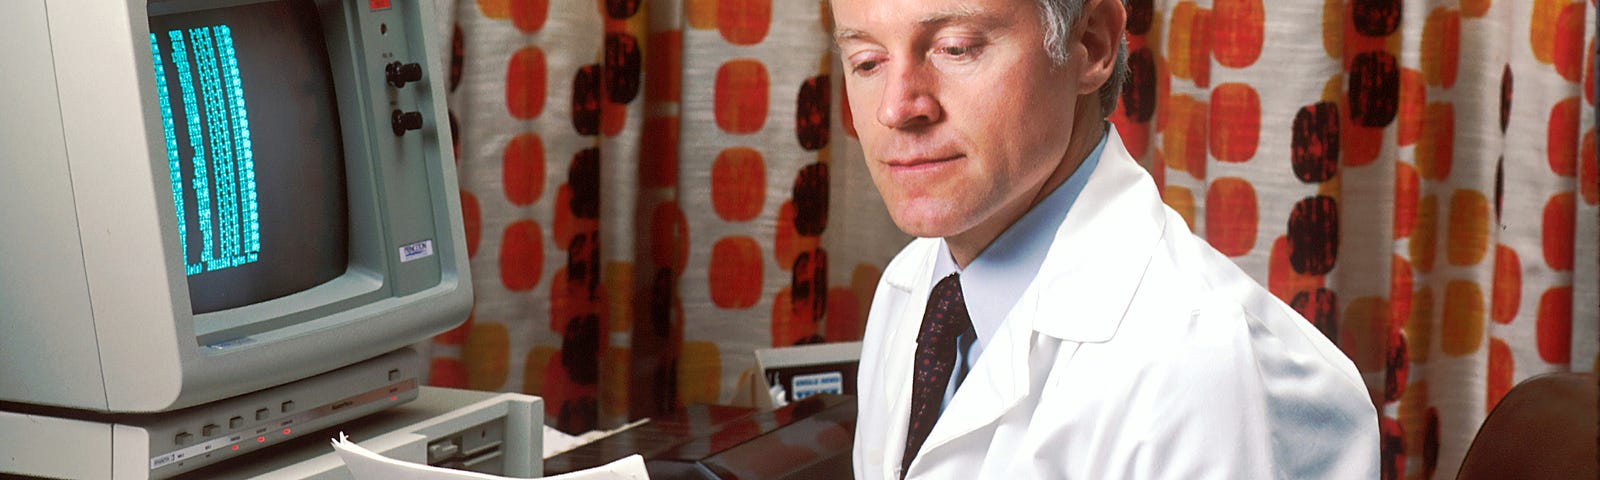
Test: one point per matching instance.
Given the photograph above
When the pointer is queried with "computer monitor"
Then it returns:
(204, 198)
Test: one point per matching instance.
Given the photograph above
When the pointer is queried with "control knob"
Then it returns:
(405, 121)
(399, 74)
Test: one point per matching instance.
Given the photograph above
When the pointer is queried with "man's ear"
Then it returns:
(1103, 25)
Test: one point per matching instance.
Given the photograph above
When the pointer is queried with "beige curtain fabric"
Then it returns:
(654, 188)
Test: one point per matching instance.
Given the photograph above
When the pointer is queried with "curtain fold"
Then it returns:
(654, 188)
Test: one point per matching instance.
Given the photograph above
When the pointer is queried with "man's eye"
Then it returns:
(960, 51)
(864, 67)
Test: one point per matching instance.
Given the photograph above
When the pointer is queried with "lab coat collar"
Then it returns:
(1100, 252)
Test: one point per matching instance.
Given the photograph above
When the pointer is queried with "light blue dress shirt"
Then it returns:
(994, 281)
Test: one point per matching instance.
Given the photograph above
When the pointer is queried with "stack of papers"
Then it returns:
(366, 465)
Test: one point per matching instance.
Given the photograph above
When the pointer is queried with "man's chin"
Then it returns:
(925, 227)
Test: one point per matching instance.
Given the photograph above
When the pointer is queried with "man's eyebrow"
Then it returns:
(953, 15)
(840, 35)
(957, 14)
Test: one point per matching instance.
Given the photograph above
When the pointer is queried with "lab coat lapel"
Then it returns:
(910, 292)
(995, 385)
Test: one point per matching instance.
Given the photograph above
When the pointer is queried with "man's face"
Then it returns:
(960, 111)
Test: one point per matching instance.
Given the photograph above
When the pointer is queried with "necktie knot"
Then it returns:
(946, 315)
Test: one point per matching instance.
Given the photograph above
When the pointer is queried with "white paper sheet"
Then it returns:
(557, 442)
(366, 465)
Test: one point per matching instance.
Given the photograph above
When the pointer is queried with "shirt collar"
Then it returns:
(994, 281)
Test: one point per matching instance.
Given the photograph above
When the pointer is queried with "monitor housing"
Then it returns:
(98, 311)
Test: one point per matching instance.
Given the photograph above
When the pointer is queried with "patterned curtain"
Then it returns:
(1406, 174)
(654, 188)
(652, 191)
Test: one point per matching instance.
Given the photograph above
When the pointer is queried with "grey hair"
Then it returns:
(1058, 17)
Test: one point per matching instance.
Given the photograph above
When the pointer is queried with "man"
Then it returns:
(1055, 319)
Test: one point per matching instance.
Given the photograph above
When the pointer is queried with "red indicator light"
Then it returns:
(235, 448)
(394, 398)
(285, 431)
(261, 439)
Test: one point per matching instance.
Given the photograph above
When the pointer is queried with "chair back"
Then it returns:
(1546, 427)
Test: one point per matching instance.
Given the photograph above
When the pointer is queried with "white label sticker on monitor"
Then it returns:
(422, 249)
(812, 384)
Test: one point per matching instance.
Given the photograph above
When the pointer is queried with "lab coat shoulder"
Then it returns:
(1171, 395)
(1324, 424)
(1207, 376)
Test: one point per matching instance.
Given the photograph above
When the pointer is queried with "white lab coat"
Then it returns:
(1137, 352)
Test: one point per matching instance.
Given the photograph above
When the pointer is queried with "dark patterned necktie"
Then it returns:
(944, 320)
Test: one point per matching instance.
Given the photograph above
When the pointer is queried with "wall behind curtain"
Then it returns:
(655, 188)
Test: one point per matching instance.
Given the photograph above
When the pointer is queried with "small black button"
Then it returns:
(403, 122)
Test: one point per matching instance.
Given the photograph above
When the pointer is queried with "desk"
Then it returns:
(808, 439)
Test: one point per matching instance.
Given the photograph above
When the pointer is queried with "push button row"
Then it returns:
(186, 438)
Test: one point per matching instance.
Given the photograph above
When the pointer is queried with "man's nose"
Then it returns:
(910, 97)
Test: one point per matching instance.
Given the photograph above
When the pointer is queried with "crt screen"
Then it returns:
(254, 150)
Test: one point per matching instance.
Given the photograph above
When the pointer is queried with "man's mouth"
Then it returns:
(921, 161)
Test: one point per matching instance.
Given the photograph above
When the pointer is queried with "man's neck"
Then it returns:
(1088, 128)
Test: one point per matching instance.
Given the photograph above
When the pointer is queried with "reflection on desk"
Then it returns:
(809, 439)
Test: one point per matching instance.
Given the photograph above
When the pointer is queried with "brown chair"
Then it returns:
(1547, 427)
